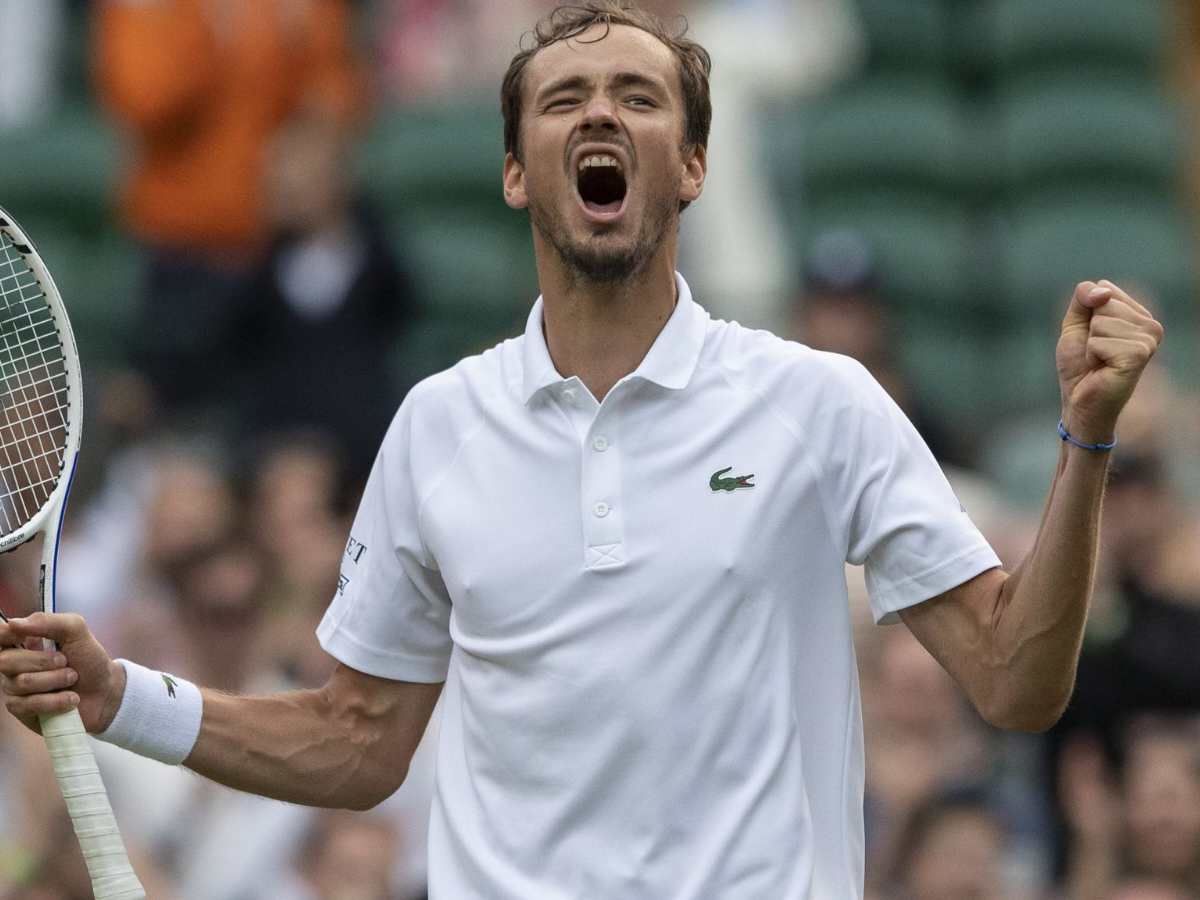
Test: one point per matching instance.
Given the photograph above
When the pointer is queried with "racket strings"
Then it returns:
(33, 392)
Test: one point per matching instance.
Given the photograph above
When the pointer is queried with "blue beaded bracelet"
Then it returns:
(1066, 436)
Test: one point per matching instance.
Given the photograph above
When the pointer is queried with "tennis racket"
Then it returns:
(40, 416)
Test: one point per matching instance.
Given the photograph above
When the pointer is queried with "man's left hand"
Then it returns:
(1107, 339)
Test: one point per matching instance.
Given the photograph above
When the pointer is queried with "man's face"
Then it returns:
(603, 167)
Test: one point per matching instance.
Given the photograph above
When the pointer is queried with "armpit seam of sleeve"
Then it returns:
(379, 662)
(891, 464)
(429, 562)
(975, 559)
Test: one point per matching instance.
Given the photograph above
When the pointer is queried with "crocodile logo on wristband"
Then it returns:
(170, 683)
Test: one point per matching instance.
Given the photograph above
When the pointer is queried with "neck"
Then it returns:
(601, 332)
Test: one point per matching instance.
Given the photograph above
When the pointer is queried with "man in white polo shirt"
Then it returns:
(619, 541)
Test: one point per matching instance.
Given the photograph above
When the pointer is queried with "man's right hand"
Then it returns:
(80, 674)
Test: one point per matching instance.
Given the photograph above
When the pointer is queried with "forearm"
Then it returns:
(303, 747)
(347, 744)
(1012, 641)
(1042, 607)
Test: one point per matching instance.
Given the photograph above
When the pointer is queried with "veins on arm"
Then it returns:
(347, 744)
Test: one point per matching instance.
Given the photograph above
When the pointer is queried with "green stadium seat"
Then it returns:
(893, 130)
(75, 55)
(925, 244)
(947, 367)
(1074, 126)
(1056, 239)
(435, 174)
(1020, 457)
(1107, 34)
(470, 267)
(1022, 376)
(97, 275)
(66, 167)
(906, 34)
(436, 342)
(445, 156)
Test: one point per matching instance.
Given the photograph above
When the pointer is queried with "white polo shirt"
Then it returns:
(639, 608)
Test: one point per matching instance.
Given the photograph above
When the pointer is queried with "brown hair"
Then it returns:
(569, 21)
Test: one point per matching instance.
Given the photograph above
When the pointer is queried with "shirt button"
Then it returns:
(569, 394)
(600, 510)
(600, 443)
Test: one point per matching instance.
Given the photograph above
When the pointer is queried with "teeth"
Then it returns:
(600, 159)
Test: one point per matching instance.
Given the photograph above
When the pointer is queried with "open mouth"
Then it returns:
(600, 181)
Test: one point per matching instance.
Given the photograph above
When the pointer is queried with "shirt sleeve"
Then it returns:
(905, 523)
(390, 613)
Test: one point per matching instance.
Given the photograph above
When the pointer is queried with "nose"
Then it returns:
(599, 115)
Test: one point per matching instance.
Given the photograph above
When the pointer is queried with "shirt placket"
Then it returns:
(597, 427)
(600, 500)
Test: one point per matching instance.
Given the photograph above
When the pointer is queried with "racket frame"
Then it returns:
(74, 763)
(55, 503)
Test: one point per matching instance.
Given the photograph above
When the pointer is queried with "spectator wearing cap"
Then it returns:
(843, 309)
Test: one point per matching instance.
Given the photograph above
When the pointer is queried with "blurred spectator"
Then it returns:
(843, 310)
(1161, 789)
(56, 870)
(1161, 398)
(1149, 889)
(196, 606)
(1140, 654)
(296, 515)
(319, 314)
(188, 511)
(429, 49)
(200, 87)
(297, 503)
(218, 595)
(28, 806)
(1144, 825)
(921, 738)
(432, 48)
(1092, 809)
(347, 857)
(953, 849)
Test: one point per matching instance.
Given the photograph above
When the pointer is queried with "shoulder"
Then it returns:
(443, 409)
(792, 375)
(476, 381)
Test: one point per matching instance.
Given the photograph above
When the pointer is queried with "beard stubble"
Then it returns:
(592, 260)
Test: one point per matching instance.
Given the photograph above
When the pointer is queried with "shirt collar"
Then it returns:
(669, 363)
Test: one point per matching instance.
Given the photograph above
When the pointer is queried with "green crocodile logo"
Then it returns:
(170, 683)
(732, 483)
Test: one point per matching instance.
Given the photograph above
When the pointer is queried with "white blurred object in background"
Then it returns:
(29, 61)
(735, 248)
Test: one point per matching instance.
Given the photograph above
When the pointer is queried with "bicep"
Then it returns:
(956, 627)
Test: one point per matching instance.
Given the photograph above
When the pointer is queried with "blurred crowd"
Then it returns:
(224, 456)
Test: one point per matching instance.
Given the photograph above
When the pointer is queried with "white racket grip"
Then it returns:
(78, 776)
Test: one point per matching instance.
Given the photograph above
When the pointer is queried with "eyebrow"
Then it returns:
(619, 80)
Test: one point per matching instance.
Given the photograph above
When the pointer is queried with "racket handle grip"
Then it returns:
(78, 777)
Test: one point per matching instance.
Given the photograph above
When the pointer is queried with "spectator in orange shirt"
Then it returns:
(200, 88)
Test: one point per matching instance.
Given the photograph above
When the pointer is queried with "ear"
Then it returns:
(514, 183)
(691, 178)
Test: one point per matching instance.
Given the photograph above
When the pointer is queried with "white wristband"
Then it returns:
(159, 715)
